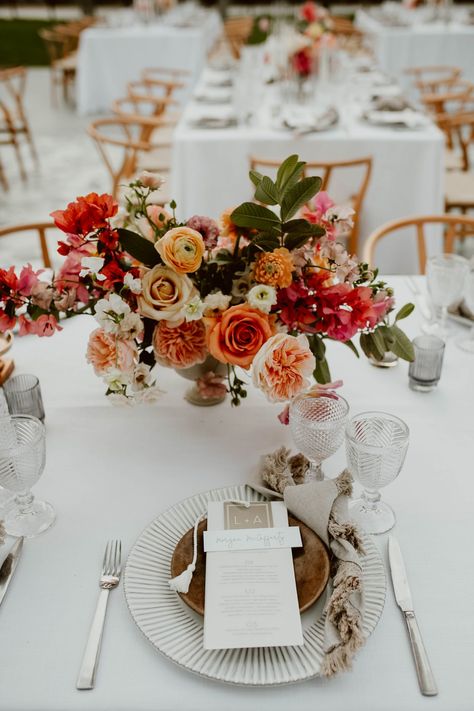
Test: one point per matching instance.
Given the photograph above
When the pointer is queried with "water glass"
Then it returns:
(23, 395)
(425, 371)
(317, 425)
(467, 342)
(376, 446)
(22, 460)
(446, 275)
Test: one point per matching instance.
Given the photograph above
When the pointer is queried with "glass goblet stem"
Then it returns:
(24, 502)
(371, 498)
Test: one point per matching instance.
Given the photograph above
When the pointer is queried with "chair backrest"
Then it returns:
(456, 226)
(237, 30)
(144, 105)
(362, 170)
(122, 135)
(40, 228)
(430, 79)
(166, 74)
(458, 92)
(56, 45)
(343, 26)
(12, 86)
(459, 130)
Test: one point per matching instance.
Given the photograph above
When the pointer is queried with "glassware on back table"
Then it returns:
(425, 371)
(446, 274)
(467, 342)
(317, 425)
(376, 446)
(22, 460)
(23, 394)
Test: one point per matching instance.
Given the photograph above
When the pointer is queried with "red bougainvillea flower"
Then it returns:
(8, 282)
(309, 11)
(86, 214)
(6, 322)
(303, 62)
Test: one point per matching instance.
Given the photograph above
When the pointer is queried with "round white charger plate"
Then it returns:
(177, 632)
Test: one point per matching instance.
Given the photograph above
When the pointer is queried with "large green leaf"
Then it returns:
(353, 348)
(378, 342)
(402, 346)
(255, 177)
(365, 344)
(249, 214)
(321, 373)
(404, 311)
(303, 227)
(267, 192)
(138, 247)
(299, 195)
(286, 170)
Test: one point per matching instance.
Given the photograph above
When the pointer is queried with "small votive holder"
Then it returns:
(23, 396)
(425, 371)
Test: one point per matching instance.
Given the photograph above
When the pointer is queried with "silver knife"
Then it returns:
(403, 597)
(8, 567)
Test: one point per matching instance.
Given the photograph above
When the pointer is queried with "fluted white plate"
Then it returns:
(177, 632)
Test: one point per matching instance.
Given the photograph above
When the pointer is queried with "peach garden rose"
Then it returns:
(282, 366)
(180, 346)
(181, 249)
(105, 352)
(165, 294)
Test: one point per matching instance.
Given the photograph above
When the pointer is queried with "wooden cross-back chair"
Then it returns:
(431, 79)
(326, 171)
(63, 62)
(459, 182)
(237, 30)
(148, 106)
(343, 26)
(167, 80)
(122, 134)
(456, 227)
(457, 93)
(41, 228)
(13, 120)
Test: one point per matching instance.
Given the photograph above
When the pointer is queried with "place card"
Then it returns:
(250, 597)
(248, 539)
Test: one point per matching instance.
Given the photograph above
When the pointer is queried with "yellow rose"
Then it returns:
(165, 294)
(181, 249)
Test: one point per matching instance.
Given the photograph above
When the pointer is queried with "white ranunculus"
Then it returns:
(110, 312)
(217, 301)
(262, 297)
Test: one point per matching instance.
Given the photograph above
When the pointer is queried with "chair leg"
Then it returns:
(29, 138)
(19, 158)
(3, 179)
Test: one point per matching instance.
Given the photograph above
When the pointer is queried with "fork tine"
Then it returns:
(106, 558)
(118, 557)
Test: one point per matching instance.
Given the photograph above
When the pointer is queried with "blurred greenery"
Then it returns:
(20, 43)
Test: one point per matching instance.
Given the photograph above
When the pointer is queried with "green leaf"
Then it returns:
(353, 348)
(303, 227)
(317, 345)
(402, 346)
(138, 247)
(321, 373)
(404, 312)
(249, 214)
(379, 344)
(286, 170)
(267, 242)
(295, 241)
(255, 177)
(388, 338)
(299, 195)
(267, 192)
(366, 344)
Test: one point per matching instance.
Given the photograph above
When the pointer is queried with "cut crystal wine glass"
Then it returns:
(446, 275)
(22, 460)
(376, 446)
(467, 342)
(317, 425)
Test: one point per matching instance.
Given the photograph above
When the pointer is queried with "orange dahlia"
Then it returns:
(274, 268)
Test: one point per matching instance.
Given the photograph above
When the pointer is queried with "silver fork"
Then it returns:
(111, 569)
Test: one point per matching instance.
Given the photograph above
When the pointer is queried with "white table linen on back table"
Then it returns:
(110, 57)
(420, 44)
(210, 172)
(111, 470)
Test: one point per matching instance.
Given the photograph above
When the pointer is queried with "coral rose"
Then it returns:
(165, 294)
(238, 335)
(274, 268)
(282, 366)
(105, 352)
(181, 249)
(180, 346)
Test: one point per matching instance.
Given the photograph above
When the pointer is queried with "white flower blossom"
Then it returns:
(142, 377)
(92, 265)
(131, 326)
(119, 399)
(116, 379)
(262, 297)
(148, 395)
(135, 285)
(241, 285)
(194, 309)
(110, 312)
(217, 301)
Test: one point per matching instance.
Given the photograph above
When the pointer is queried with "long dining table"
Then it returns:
(111, 470)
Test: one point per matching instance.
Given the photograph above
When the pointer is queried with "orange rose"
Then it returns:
(237, 336)
(180, 346)
(282, 366)
(274, 268)
(181, 249)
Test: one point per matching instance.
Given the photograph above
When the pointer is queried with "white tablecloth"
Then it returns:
(210, 172)
(110, 471)
(420, 44)
(111, 57)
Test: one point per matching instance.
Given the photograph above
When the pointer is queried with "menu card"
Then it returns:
(250, 598)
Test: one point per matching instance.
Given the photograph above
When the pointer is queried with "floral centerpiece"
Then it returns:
(314, 31)
(263, 290)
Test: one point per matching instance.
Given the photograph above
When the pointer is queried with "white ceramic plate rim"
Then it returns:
(289, 664)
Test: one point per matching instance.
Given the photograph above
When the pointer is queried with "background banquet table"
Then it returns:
(420, 44)
(210, 171)
(110, 471)
(110, 57)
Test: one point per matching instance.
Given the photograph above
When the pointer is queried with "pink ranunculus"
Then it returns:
(27, 280)
(282, 366)
(105, 351)
(46, 325)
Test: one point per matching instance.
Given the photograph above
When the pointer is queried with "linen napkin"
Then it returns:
(322, 505)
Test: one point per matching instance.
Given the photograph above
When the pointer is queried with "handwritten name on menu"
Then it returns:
(251, 598)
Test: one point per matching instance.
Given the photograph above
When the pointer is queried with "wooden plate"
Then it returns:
(311, 566)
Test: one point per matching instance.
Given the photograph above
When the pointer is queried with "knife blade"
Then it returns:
(8, 567)
(404, 600)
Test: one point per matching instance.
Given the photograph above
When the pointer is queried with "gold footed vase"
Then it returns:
(194, 394)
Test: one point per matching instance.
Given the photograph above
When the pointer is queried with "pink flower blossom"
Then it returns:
(46, 325)
(6, 322)
(27, 280)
